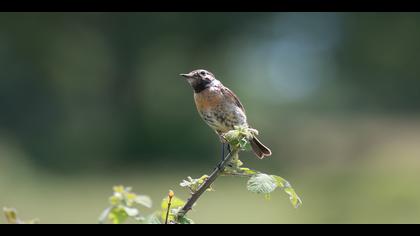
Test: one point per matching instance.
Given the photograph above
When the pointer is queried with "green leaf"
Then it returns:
(184, 221)
(132, 212)
(118, 215)
(130, 198)
(152, 219)
(243, 142)
(12, 218)
(11, 215)
(232, 135)
(115, 200)
(248, 171)
(194, 184)
(240, 136)
(247, 147)
(287, 188)
(294, 198)
(144, 201)
(280, 181)
(175, 203)
(261, 183)
(119, 189)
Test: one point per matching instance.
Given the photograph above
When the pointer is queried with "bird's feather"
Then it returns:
(232, 96)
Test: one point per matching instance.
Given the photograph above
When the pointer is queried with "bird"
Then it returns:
(220, 108)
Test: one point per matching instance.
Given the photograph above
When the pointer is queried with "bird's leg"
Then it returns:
(229, 152)
(223, 151)
(223, 155)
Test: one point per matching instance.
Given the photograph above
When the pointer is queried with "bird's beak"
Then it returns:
(186, 75)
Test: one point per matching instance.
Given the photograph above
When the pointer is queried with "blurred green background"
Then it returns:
(91, 100)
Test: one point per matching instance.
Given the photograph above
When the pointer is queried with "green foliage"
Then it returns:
(152, 219)
(265, 184)
(176, 204)
(171, 215)
(194, 184)
(238, 137)
(12, 217)
(124, 205)
(258, 182)
(184, 220)
(262, 183)
(287, 188)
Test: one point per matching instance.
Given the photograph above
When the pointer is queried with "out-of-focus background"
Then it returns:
(91, 100)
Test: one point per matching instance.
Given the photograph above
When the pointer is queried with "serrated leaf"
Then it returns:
(261, 183)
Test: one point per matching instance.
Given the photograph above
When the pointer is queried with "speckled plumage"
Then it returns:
(219, 107)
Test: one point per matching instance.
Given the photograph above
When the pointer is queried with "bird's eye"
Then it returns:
(203, 73)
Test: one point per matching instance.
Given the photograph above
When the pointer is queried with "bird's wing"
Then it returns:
(231, 95)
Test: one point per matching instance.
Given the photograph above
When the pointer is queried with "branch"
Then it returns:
(206, 185)
(238, 140)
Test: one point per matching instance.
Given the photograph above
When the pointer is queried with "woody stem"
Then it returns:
(167, 212)
(213, 176)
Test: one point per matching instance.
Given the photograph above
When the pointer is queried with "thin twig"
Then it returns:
(167, 212)
(170, 196)
(195, 196)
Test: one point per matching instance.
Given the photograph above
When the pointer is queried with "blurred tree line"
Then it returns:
(103, 88)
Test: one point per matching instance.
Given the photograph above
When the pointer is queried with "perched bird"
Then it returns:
(220, 108)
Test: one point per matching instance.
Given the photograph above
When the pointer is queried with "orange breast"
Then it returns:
(207, 99)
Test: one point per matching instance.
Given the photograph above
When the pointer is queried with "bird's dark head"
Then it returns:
(199, 79)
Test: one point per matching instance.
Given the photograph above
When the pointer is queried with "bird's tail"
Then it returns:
(260, 150)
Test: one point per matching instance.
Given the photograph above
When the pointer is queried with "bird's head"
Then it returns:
(199, 79)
